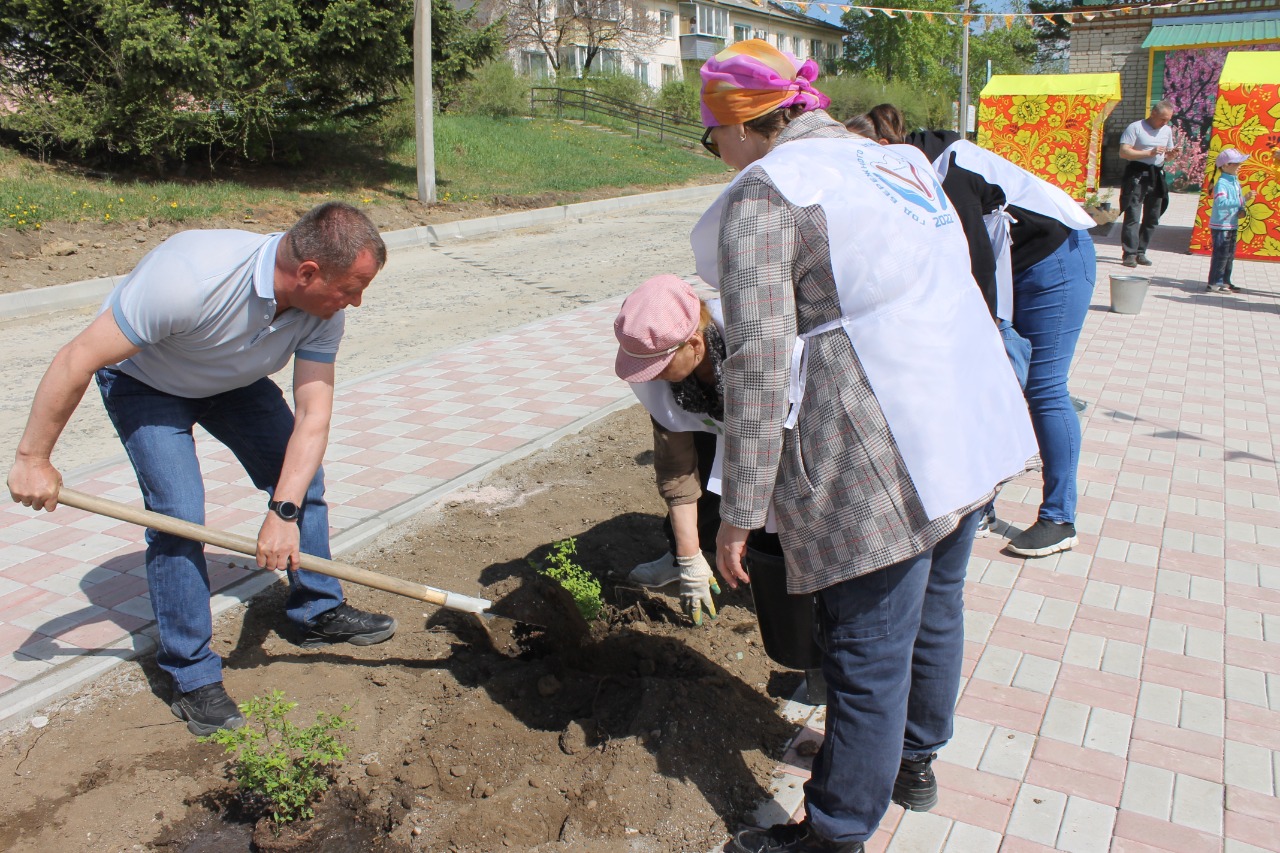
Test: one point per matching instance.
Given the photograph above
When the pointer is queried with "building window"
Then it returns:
(607, 61)
(609, 10)
(815, 48)
(669, 74)
(642, 72)
(667, 23)
(763, 35)
(741, 32)
(571, 59)
(533, 63)
(782, 41)
(707, 20)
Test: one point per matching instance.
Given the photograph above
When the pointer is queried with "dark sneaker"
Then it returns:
(1129, 261)
(916, 788)
(346, 624)
(986, 522)
(789, 838)
(1143, 260)
(207, 709)
(1044, 538)
(1211, 288)
(1231, 287)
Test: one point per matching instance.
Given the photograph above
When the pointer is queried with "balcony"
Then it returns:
(700, 48)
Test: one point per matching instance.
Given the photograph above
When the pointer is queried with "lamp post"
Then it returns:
(422, 102)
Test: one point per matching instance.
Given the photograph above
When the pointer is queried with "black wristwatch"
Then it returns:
(287, 510)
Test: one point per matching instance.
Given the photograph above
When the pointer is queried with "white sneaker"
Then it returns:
(658, 573)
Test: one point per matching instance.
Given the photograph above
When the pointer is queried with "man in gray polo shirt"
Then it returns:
(191, 337)
(1143, 193)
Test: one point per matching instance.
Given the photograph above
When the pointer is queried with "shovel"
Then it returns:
(507, 636)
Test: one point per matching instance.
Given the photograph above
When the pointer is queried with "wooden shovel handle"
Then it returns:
(247, 546)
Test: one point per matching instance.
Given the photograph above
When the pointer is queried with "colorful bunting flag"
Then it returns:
(991, 18)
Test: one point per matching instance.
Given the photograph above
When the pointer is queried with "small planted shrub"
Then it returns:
(577, 581)
(279, 766)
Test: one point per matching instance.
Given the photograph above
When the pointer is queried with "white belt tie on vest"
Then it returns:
(800, 367)
(998, 222)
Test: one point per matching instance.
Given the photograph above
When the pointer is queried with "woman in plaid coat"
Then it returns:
(869, 412)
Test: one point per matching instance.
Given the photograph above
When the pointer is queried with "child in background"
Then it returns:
(1224, 219)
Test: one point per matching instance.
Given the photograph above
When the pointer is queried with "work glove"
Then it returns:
(696, 585)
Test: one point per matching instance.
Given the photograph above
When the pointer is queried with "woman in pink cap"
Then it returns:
(670, 348)
(869, 413)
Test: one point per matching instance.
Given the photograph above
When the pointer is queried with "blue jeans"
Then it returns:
(893, 647)
(1224, 255)
(1050, 301)
(255, 423)
(1018, 349)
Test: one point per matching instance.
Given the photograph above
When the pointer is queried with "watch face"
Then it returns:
(288, 510)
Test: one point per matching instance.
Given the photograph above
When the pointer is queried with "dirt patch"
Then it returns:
(646, 735)
(64, 252)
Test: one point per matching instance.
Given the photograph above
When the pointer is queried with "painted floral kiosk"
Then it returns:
(1246, 116)
(1049, 124)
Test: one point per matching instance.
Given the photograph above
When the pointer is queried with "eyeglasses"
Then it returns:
(710, 144)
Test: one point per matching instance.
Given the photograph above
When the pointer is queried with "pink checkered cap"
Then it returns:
(655, 320)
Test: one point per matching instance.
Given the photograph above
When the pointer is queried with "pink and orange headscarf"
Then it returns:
(751, 78)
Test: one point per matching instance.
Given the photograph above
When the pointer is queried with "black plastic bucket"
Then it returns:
(786, 621)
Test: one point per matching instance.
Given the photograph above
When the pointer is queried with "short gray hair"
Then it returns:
(1165, 107)
(333, 235)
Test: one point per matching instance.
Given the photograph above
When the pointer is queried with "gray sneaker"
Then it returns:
(656, 574)
(985, 524)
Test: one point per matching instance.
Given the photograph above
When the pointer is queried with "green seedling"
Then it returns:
(278, 765)
(577, 581)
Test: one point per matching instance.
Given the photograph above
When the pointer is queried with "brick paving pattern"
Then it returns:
(1124, 696)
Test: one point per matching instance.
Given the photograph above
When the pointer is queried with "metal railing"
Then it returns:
(581, 104)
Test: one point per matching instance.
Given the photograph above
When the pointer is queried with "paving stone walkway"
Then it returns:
(1125, 696)
(1121, 697)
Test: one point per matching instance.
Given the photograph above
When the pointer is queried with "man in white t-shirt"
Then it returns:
(1143, 193)
(190, 337)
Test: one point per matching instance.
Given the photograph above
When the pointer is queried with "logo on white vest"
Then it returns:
(903, 182)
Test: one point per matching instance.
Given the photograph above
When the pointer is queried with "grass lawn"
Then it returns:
(476, 159)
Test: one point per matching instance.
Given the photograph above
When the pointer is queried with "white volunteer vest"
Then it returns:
(1021, 189)
(911, 310)
(659, 402)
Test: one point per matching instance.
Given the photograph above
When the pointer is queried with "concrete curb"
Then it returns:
(27, 303)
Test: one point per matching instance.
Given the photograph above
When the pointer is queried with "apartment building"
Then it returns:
(687, 34)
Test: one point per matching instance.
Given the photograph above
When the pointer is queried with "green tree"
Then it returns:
(1011, 50)
(459, 46)
(1053, 38)
(162, 78)
(922, 49)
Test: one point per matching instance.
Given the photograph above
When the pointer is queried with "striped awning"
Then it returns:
(1223, 33)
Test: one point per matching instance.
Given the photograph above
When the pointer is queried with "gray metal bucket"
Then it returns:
(1127, 293)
